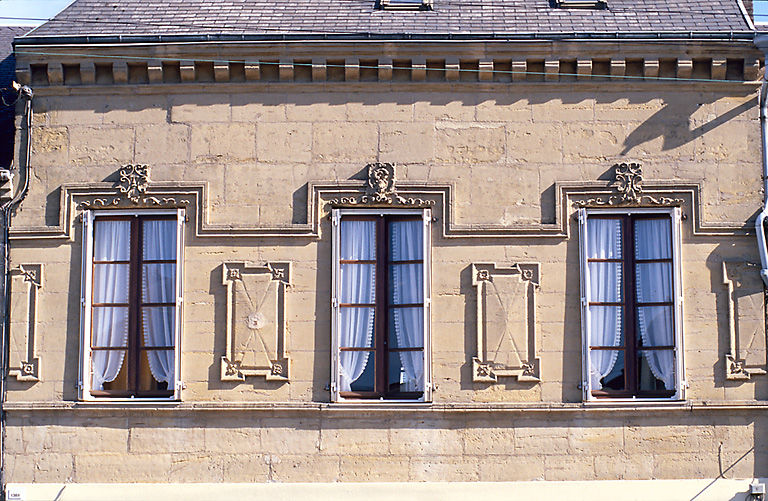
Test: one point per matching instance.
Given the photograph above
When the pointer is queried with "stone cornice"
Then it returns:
(323, 62)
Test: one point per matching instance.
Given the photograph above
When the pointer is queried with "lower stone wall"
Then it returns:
(90, 446)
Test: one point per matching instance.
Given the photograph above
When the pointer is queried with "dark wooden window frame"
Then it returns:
(631, 347)
(382, 307)
(135, 304)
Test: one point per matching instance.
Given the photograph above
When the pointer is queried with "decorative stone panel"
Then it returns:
(26, 282)
(506, 322)
(746, 355)
(256, 326)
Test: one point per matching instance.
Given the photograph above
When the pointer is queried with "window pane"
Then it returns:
(111, 240)
(656, 370)
(357, 283)
(156, 370)
(406, 371)
(108, 372)
(158, 324)
(656, 326)
(607, 369)
(653, 238)
(110, 326)
(110, 283)
(356, 327)
(159, 239)
(158, 283)
(605, 282)
(357, 371)
(654, 282)
(406, 241)
(358, 240)
(406, 327)
(603, 238)
(406, 283)
(605, 326)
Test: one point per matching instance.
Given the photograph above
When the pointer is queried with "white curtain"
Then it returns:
(159, 286)
(604, 285)
(406, 244)
(357, 283)
(654, 285)
(110, 285)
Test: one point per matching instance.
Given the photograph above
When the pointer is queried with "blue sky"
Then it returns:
(38, 9)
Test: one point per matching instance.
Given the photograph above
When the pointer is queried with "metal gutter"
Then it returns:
(660, 36)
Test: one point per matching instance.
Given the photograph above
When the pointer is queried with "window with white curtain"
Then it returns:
(381, 303)
(131, 304)
(631, 304)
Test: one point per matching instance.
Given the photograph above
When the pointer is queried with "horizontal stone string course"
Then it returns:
(352, 69)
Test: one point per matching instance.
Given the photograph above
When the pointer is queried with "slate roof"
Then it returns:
(7, 70)
(354, 17)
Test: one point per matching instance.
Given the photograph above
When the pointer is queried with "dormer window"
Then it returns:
(404, 4)
(579, 4)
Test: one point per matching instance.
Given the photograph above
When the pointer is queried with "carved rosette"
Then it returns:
(628, 183)
(380, 190)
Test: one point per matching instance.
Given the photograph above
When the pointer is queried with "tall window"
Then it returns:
(131, 305)
(381, 305)
(630, 302)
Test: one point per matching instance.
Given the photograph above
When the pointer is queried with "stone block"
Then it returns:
(137, 110)
(469, 144)
(599, 143)
(232, 436)
(189, 108)
(50, 146)
(100, 145)
(444, 107)
(569, 467)
(284, 142)
(299, 436)
(51, 467)
(505, 469)
(258, 108)
(542, 440)
(244, 468)
(406, 142)
(354, 436)
(199, 467)
(367, 468)
(489, 438)
(375, 107)
(162, 143)
(161, 439)
(536, 142)
(213, 142)
(344, 142)
(80, 438)
(303, 468)
(444, 469)
(426, 438)
(115, 468)
(574, 108)
(504, 108)
(317, 107)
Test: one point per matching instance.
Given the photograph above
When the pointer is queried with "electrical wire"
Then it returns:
(394, 66)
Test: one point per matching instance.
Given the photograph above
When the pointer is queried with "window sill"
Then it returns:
(386, 407)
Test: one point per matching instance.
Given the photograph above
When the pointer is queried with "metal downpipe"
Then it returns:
(5, 219)
(761, 41)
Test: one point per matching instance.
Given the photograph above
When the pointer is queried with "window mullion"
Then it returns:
(382, 301)
(630, 313)
(134, 308)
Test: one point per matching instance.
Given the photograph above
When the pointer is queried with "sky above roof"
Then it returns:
(29, 12)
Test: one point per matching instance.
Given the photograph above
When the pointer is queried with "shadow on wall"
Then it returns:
(665, 123)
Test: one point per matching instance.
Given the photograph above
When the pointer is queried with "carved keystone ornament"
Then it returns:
(628, 183)
(133, 190)
(381, 190)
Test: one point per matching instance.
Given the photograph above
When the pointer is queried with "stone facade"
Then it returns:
(507, 163)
